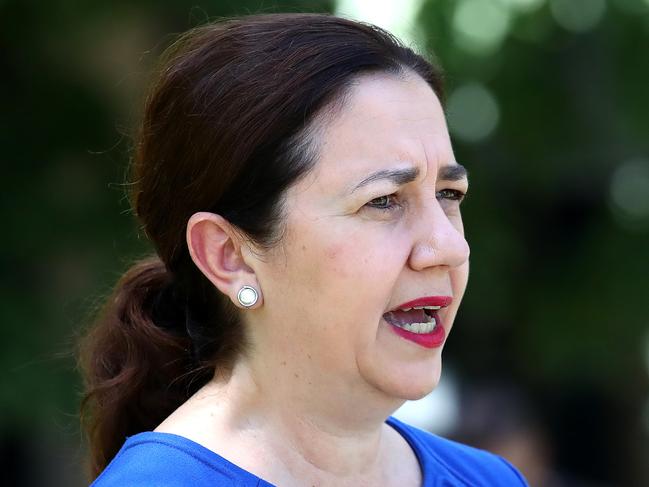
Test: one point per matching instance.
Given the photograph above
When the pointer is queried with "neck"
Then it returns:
(316, 428)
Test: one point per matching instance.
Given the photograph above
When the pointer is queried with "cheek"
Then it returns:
(352, 259)
(362, 257)
(347, 277)
(336, 260)
(459, 280)
(321, 261)
(336, 269)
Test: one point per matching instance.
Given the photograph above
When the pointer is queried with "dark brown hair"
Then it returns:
(228, 126)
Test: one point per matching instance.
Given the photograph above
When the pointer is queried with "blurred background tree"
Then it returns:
(548, 106)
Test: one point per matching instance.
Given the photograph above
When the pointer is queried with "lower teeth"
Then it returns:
(419, 328)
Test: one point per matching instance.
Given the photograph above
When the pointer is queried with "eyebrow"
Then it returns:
(453, 172)
(399, 177)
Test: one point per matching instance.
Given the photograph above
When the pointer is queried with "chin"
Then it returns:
(415, 389)
(409, 382)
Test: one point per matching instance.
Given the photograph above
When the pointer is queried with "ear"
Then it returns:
(215, 248)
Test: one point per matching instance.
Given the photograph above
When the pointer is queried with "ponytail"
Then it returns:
(140, 361)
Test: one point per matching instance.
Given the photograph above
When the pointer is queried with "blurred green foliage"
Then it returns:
(557, 216)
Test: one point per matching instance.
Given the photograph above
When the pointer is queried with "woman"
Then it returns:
(296, 177)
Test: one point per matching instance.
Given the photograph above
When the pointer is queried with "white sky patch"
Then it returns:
(397, 17)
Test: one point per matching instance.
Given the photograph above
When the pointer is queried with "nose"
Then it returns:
(438, 242)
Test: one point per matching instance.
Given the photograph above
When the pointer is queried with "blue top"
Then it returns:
(167, 460)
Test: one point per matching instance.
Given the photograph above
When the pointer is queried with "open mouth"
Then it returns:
(419, 319)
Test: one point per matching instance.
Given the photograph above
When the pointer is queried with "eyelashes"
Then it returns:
(390, 202)
(450, 194)
(384, 203)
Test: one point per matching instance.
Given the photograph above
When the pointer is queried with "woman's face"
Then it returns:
(375, 225)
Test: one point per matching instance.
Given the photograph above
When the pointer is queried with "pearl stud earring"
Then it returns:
(247, 296)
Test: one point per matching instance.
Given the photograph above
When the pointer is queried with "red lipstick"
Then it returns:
(442, 301)
(436, 337)
(433, 339)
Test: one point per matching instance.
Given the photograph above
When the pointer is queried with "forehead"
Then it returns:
(386, 121)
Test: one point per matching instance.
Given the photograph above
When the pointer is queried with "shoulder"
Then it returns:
(167, 460)
(455, 462)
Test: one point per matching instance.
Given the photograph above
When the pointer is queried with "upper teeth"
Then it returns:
(421, 307)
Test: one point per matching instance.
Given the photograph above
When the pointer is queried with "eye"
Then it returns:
(450, 194)
(384, 203)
